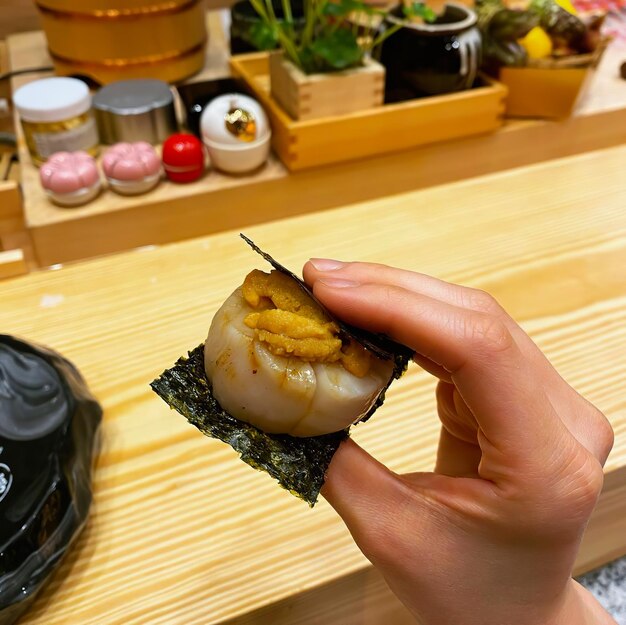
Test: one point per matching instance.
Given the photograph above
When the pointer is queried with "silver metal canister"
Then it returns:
(135, 110)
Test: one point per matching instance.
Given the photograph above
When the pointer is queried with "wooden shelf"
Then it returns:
(218, 202)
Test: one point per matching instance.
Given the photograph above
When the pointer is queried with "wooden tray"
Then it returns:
(388, 128)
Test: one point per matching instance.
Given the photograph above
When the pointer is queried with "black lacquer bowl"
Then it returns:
(432, 59)
(49, 424)
(196, 95)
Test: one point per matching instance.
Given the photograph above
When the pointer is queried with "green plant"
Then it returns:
(332, 37)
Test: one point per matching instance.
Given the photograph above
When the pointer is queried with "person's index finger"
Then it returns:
(439, 331)
(489, 369)
(455, 294)
(357, 271)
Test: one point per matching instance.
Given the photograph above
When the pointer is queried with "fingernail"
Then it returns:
(338, 284)
(326, 264)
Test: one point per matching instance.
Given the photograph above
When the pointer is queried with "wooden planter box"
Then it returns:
(548, 92)
(378, 130)
(306, 96)
(542, 93)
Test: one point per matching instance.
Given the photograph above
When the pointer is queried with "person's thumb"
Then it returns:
(377, 505)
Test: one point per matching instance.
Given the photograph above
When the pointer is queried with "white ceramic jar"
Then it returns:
(237, 133)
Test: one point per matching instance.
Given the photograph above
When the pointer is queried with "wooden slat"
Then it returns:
(12, 263)
(5, 165)
(17, 16)
(20, 240)
(11, 211)
(184, 533)
(604, 538)
(6, 118)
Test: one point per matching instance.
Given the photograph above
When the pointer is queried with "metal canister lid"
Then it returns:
(135, 110)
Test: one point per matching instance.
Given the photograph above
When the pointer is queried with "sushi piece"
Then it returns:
(281, 380)
(298, 464)
(276, 360)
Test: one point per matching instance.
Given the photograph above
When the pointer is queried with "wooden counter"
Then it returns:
(182, 533)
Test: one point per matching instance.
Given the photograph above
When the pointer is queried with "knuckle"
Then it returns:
(577, 488)
(488, 334)
(571, 497)
(588, 484)
(478, 299)
(598, 432)
(603, 433)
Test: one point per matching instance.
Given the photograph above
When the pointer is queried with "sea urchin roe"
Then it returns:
(290, 323)
(282, 292)
(355, 359)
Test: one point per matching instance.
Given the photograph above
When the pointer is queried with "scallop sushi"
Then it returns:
(276, 360)
(280, 379)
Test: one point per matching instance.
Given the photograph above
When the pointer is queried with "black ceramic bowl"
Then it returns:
(48, 437)
(243, 18)
(432, 59)
(196, 95)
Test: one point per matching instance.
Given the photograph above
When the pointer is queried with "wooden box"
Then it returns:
(542, 92)
(307, 97)
(550, 89)
(379, 130)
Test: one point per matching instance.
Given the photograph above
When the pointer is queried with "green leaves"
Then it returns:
(334, 36)
(262, 36)
(419, 9)
(343, 8)
(336, 50)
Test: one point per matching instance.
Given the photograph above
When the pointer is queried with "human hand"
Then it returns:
(491, 536)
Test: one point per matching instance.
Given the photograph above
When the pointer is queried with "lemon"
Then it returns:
(537, 43)
(567, 5)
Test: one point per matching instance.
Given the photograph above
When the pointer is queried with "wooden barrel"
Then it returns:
(111, 40)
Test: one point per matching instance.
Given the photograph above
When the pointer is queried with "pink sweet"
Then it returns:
(68, 172)
(130, 161)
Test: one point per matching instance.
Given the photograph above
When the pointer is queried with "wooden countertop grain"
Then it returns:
(181, 532)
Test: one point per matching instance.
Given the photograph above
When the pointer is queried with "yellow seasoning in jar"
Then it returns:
(56, 116)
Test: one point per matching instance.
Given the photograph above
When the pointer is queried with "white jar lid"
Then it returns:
(52, 99)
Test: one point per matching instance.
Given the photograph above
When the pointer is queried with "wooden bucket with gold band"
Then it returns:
(111, 40)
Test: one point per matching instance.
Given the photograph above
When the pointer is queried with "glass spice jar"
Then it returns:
(56, 116)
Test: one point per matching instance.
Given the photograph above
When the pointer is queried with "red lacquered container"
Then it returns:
(183, 158)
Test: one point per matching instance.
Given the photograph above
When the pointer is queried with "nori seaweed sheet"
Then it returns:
(298, 464)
